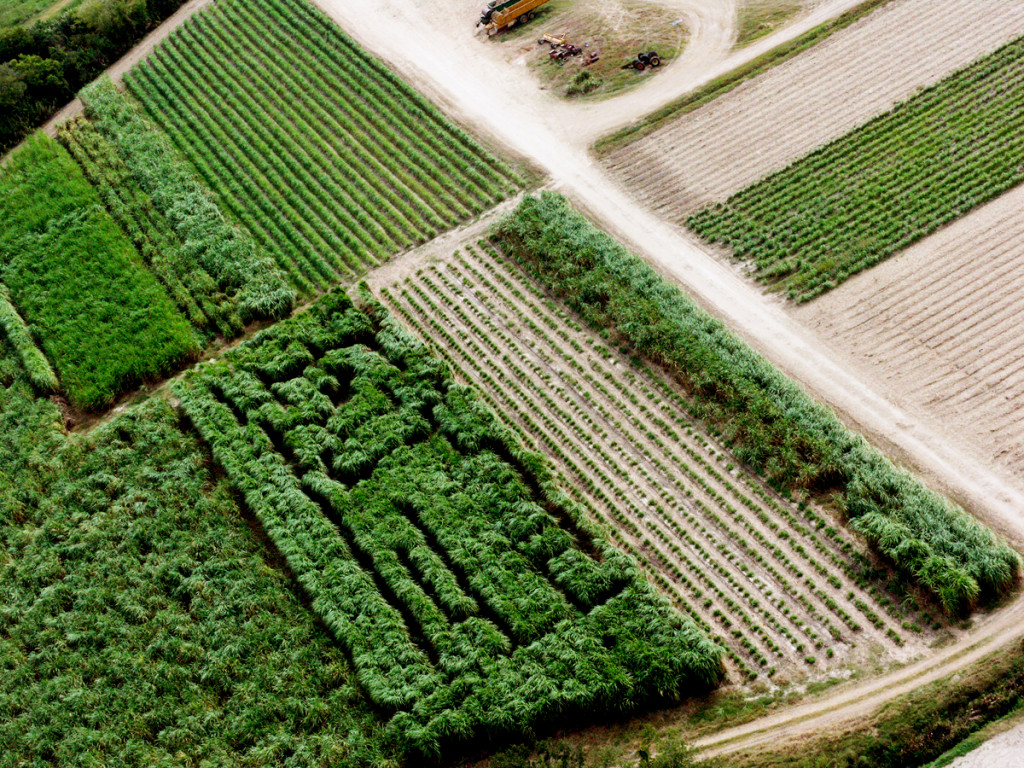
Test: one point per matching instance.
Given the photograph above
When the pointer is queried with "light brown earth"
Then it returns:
(795, 107)
(1004, 750)
(941, 328)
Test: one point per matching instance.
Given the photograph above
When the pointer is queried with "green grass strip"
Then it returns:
(102, 317)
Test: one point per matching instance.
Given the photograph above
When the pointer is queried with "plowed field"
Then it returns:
(941, 326)
(768, 122)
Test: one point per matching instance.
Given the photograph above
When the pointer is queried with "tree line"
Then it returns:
(43, 65)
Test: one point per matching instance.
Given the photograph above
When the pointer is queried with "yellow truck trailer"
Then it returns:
(498, 15)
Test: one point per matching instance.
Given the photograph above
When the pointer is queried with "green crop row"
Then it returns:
(101, 316)
(193, 289)
(769, 422)
(20, 338)
(885, 185)
(330, 160)
(475, 601)
(216, 246)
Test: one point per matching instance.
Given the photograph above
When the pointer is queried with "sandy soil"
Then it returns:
(769, 121)
(940, 327)
(1003, 751)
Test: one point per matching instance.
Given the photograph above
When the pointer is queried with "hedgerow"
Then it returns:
(769, 422)
(101, 316)
(475, 602)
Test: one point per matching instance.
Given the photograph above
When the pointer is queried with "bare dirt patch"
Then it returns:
(769, 121)
(939, 327)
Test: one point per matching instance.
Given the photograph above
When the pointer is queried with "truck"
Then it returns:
(500, 14)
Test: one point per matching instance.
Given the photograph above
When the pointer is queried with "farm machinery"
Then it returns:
(500, 14)
(643, 61)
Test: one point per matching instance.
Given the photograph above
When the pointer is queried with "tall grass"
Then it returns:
(102, 318)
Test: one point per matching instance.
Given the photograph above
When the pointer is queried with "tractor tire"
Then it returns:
(639, 66)
(654, 60)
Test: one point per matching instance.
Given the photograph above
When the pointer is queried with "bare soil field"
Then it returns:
(768, 122)
(780, 585)
(939, 327)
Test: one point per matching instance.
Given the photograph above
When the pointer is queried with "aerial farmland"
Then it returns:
(549, 383)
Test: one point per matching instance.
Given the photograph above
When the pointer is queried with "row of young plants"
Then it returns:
(768, 422)
(476, 602)
(665, 498)
(146, 622)
(585, 430)
(99, 314)
(462, 353)
(18, 335)
(880, 188)
(328, 159)
(211, 243)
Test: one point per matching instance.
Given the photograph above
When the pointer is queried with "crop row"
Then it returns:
(738, 560)
(329, 160)
(883, 186)
(768, 422)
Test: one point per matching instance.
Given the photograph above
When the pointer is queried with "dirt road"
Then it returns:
(130, 59)
(499, 102)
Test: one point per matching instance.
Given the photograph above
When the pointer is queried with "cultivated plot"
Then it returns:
(327, 157)
(473, 600)
(783, 587)
(766, 123)
(876, 190)
(940, 326)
